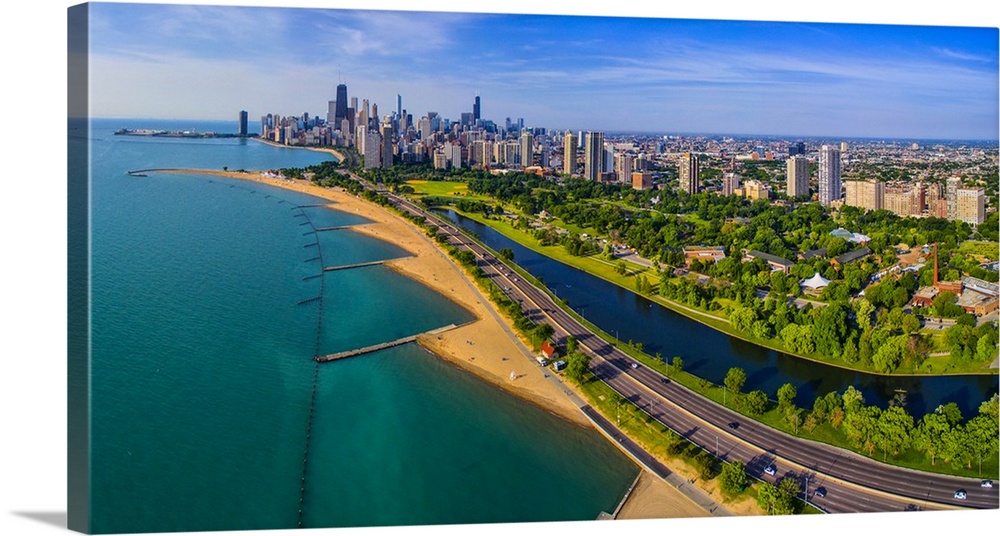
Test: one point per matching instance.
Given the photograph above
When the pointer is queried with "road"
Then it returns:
(853, 483)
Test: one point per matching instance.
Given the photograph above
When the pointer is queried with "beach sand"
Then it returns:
(654, 498)
(487, 346)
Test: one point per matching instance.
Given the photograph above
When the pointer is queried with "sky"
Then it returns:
(577, 72)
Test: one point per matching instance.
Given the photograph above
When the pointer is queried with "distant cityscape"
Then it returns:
(906, 178)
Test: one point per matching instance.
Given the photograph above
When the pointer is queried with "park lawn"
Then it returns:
(990, 250)
(453, 189)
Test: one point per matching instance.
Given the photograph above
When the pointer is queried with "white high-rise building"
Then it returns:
(829, 174)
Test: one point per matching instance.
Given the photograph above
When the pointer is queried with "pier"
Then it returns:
(381, 346)
(365, 350)
(335, 228)
(349, 266)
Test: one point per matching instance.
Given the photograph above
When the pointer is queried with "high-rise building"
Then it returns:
(754, 190)
(399, 106)
(688, 170)
(244, 128)
(569, 153)
(952, 186)
(476, 110)
(867, 194)
(970, 205)
(730, 183)
(797, 149)
(829, 174)
(624, 166)
(527, 149)
(386, 144)
(797, 181)
(593, 163)
(341, 110)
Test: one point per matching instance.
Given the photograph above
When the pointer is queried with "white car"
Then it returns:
(634, 365)
(988, 484)
(771, 469)
(960, 494)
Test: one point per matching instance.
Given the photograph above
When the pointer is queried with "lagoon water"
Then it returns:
(208, 411)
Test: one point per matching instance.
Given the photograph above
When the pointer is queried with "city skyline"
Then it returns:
(672, 75)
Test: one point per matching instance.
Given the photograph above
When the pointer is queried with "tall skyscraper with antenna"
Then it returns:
(476, 110)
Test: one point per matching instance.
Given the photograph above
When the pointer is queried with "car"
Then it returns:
(664, 380)
(734, 425)
(634, 365)
(821, 492)
(988, 484)
(960, 494)
(771, 469)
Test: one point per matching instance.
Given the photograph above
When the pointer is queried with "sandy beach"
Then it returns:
(487, 346)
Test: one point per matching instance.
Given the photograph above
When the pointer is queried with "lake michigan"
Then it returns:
(207, 409)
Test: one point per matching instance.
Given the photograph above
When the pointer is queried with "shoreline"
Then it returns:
(486, 347)
(482, 346)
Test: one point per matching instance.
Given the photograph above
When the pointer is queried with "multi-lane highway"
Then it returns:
(847, 482)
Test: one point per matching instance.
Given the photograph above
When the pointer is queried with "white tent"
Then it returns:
(816, 281)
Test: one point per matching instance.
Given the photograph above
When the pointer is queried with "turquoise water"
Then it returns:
(204, 412)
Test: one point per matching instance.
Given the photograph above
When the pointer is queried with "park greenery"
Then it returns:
(874, 332)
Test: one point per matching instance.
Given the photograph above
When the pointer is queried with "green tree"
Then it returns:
(677, 364)
(755, 402)
(852, 400)
(860, 427)
(733, 478)
(929, 436)
(981, 437)
(786, 395)
(735, 378)
(893, 431)
(576, 366)
(507, 253)
(571, 344)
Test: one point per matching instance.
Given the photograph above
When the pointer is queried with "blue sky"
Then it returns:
(577, 72)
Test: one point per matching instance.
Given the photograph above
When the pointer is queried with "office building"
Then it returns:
(687, 171)
(797, 177)
(341, 110)
(829, 174)
(476, 110)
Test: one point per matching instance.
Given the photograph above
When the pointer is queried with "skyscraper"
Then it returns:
(688, 171)
(951, 190)
(476, 110)
(569, 153)
(829, 174)
(387, 144)
(243, 123)
(527, 149)
(593, 163)
(341, 111)
(970, 205)
(797, 181)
